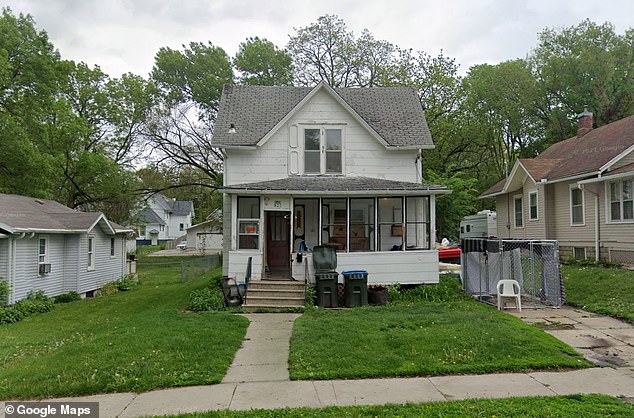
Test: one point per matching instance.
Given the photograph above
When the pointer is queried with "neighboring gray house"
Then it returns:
(47, 246)
(164, 219)
(579, 191)
(323, 165)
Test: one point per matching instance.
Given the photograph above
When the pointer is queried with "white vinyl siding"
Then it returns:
(577, 207)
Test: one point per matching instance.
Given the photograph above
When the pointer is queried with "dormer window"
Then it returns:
(323, 150)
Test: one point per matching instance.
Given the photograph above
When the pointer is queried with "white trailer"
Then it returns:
(481, 225)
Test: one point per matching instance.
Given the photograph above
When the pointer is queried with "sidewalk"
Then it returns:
(261, 380)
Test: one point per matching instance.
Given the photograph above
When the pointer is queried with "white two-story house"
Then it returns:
(164, 219)
(341, 166)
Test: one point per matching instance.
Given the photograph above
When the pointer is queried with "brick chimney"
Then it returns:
(584, 122)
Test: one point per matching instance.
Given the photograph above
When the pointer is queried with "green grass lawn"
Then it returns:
(587, 406)
(418, 339)
(132, 341)
(608, 291)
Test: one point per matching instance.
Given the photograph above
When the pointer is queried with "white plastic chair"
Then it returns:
(509, 289)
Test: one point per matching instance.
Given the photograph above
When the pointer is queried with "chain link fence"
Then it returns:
(533, 263)
(188, 267)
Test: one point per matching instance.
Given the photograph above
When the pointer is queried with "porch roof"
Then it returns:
(336, 185)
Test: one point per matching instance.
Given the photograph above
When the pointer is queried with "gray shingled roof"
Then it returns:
(330, 184)
(578, 155)
(394, 113)
(177, 207)
(150, 217)
(28, 214)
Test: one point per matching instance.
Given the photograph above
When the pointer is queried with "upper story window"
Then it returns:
(323, 150)
(621, 201)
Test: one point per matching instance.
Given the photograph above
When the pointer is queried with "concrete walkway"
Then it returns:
(263, 382)
(263, 356)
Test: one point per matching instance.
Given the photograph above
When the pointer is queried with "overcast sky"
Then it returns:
(124, 35)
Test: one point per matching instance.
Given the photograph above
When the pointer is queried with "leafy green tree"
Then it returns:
(260, 62)
(584, 65)
(451, 208)
(324, 51)
(28, 83)
(197, 74)
(503, 98)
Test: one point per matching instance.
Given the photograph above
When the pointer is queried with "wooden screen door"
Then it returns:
(278, 250)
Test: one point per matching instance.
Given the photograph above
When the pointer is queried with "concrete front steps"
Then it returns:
(274, 294)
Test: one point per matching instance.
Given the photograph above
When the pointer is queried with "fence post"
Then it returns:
(182, 271)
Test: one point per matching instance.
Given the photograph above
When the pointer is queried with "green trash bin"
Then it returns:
(356, 287)
(327, 289)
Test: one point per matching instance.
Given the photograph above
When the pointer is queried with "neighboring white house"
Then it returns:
(323, 165)
(205, 236)
(164, 219)
(47, 246)
(579, 192)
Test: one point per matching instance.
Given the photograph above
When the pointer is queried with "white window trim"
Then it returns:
(533, 193)
(583, 205)
(90, 254)
(322, 153)
(608, 213)
(46, 253)
(113, 249)
(585, 253)
(237, 234)
(515, 197)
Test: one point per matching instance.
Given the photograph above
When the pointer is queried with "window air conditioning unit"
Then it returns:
(45, 268)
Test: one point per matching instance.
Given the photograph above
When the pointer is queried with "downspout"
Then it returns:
(596, 222)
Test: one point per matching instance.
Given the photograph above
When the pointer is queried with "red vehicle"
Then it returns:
(449, 255)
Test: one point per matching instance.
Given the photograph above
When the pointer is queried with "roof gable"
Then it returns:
(595, 152)
(26, 214)
(393, 115)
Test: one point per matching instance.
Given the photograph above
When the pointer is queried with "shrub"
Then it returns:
(35, 302)
(310, 296)
(5, 291)
(71, 296)
(127, 282)
(109, 289)
(206, 299)
(10, 315)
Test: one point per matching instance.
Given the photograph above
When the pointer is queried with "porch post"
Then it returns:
(432, 221)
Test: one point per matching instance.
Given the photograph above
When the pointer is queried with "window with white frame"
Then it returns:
(621, 201)
(42, 255)
(90, 255)
(323, 150)
(518, 211)
(248, 223)
(112, 246)
(417, 223)
(577, 215)
(533, 213)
